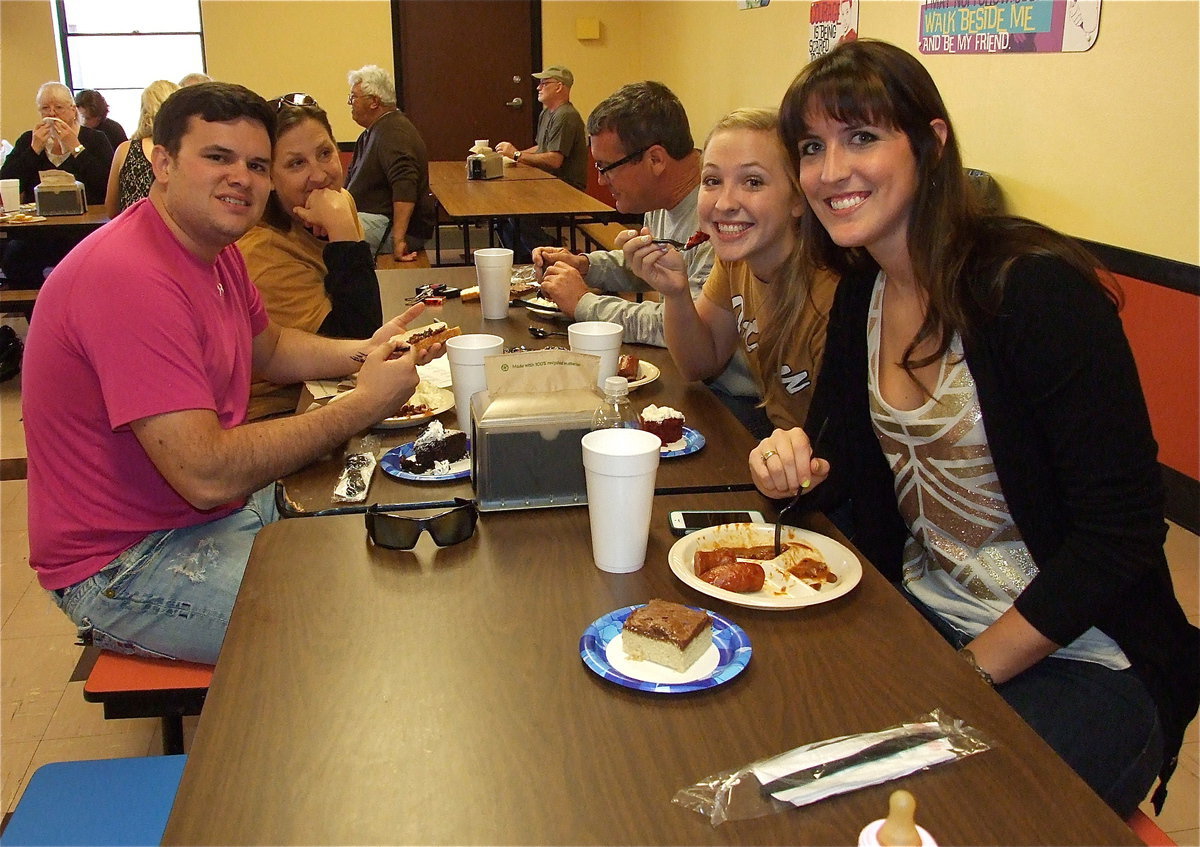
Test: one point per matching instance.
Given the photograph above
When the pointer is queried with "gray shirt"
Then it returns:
(561, 131)
(643, 322)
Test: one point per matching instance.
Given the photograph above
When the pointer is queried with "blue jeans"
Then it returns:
(377, 232)
(171, 594)
(1102, 722)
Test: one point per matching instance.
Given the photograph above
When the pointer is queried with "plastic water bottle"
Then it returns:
(615, 412)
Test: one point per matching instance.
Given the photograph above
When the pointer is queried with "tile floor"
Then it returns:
(45, 718)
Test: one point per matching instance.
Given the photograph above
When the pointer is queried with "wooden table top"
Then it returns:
(721, 462)
(443, 172)
(93, 218)
(531, 194)
(368, 696)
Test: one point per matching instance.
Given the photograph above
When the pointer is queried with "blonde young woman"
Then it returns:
(750, 206)
(130, 176)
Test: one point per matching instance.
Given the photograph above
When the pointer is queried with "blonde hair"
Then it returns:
(153, 96)
(789, 294)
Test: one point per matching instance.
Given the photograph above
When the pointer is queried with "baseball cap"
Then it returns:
(557, 72)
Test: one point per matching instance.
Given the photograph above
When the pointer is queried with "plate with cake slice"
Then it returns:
(427, 401)
(647, 372)
(736, 563)
(668, 648)
(438, 455)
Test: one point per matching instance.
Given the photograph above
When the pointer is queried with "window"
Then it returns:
(120, 48)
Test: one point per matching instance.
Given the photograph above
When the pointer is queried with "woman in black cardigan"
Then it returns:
(986, 429)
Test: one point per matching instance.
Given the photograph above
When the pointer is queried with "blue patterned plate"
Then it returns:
(601, 650)
(691, 442)
(392, 467)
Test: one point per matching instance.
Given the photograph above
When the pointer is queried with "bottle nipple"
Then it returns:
(900, 827)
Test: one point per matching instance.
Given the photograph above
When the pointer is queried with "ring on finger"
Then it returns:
(766, 454)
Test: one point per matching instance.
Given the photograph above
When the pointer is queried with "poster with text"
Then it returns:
(1010, 26)
(830, 22)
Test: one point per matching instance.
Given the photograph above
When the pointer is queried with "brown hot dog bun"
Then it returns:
(426, 336)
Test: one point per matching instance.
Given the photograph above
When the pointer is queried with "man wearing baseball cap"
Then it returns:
(561, 149)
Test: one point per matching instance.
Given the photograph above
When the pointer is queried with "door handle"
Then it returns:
(515, 103)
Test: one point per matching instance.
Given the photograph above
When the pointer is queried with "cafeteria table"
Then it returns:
(438, 696)
(527, 194)
(722, 462)
(77, 226)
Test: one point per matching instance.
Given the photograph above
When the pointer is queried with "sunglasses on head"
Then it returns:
(296, 98)
(401, 532)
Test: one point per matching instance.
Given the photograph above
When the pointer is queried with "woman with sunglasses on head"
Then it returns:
(130, 177)
(307, 255)
(750, 206)
(986, 426)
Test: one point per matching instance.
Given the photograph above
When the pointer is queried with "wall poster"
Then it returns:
(830, 22)
(1008, 26)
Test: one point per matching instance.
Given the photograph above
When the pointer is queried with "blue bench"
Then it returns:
(65, 802)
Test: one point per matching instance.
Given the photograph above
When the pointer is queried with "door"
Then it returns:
(464, 71)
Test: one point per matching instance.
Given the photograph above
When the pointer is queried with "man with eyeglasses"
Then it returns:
(389, 174)
(146, 486)
(560, 148)
(642, 145)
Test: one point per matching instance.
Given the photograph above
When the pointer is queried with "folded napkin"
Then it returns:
(822, 769)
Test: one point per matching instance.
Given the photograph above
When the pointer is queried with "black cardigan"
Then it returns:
(90, 167)
(1070, 437)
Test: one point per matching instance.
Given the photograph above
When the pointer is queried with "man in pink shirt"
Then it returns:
(146, 487)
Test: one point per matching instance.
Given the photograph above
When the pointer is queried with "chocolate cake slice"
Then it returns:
(435, 444)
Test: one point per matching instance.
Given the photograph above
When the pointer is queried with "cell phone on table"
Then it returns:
(684, 522)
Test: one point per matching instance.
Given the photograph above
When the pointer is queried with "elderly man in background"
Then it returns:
(389, 174)
(643, 148)
(560, 148)
(58, 141)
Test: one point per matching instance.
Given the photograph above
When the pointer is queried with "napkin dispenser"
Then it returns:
(54, 198)
(525, 445)
(484, 163)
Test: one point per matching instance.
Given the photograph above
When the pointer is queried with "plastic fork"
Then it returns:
(816, 445)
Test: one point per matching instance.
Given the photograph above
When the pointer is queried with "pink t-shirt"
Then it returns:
(129, 325)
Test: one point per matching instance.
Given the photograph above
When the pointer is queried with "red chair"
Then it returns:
(1148, 831)
(139, 687)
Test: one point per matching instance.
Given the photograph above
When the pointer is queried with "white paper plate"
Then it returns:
(843, 563)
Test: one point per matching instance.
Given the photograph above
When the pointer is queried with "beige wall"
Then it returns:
(1102, 145)
(243, 43)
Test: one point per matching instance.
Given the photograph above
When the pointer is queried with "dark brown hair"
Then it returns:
(288, 117)
(960, 253)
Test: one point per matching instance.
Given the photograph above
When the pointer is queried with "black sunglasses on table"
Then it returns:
(401, 532)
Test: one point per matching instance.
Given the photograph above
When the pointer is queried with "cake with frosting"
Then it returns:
(663, 421)
(435, 449)
(668, 634)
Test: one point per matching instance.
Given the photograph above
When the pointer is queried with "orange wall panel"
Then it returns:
(1163, 326)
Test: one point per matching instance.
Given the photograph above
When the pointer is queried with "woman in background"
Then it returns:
(93, 113)
(307, 255)
(750, 206)
(130, 177)
(986, 426)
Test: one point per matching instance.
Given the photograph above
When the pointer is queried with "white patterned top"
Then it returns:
(965, 558)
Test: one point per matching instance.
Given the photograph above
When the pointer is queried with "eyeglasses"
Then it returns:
(350, 100)
(604, 169)
(401, 532)
(296, 98)
(546, 82)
